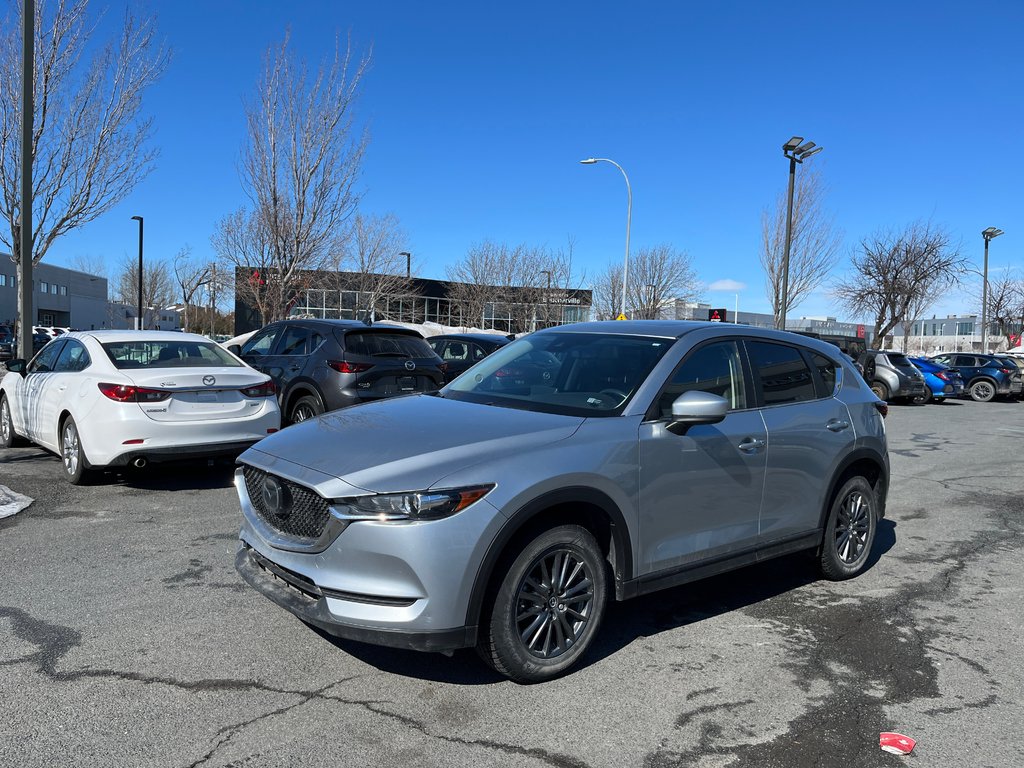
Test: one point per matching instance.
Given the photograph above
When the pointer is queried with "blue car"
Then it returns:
(940, 381)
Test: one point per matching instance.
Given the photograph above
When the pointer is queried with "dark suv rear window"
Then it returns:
(387, 345)
(897, 359)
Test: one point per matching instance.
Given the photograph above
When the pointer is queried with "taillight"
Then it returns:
(266, 389)
(343, 366)
(941, 375)
(1005, 371)
(128, 393)
(882, 408)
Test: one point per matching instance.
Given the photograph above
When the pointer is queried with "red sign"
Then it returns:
(860, 331)
(716, 315)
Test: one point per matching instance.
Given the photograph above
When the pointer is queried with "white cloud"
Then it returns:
(733, 286)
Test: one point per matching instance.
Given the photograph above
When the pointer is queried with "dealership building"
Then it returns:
(61, 297)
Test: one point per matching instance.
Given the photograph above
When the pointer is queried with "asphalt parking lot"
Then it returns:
(127, 639)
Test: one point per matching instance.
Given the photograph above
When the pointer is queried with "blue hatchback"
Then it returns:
(941, 380)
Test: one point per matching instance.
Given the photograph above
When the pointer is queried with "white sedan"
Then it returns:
(112, 398)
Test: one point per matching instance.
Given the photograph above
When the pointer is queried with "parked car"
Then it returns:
(321, 365)
(460, 351)
(985, 376)
(110, 398)
(8, 343)
(940, 380)
(656, 453)
(892, 376)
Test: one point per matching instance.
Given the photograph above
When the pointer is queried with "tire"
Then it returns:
(940, 400)
(982, 391)
(304, 409)
(926, 398)
(72, 455)
(8, 437)
(849, 530)
(879, 389)
(530, 602)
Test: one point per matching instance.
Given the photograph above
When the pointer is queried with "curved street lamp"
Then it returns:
(629, 215)
(797, 151)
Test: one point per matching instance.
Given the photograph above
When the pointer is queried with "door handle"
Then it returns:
(837, 425)
(751, 445)
(295, 368)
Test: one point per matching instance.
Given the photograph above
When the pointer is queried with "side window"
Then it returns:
(477, 352)
(293, 341)
(73, 358)
(456, 350)
(827, 372)
(714, 368)
(45, 360)
(782, 372)
(964, 360)
(315, 340)
(262, 342)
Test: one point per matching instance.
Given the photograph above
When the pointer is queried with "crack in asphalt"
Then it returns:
(53, 642)
(839, 648)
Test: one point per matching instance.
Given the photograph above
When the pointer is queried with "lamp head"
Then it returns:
(589, 161)
(792, 144)
(991, 232)
(809, 153)
(136, 218)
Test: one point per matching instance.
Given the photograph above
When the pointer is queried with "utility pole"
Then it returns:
(24, 239)
(213, 301)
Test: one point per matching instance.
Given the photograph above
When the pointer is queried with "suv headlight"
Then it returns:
(417, 505)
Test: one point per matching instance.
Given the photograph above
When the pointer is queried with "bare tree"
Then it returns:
(157, 283)
(524, 286)
(301, 160)
(895, 272)
(606, 298)
(813, 246)
(90, 142)
(1005, 302)
(190, 277)
(658, 277)
(374, 261)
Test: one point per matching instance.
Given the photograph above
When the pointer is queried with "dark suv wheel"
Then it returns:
(849, 530)
(982, 390)
(548, 607)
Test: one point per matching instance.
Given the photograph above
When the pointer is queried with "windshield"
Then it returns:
(574, 374)
(168, 354)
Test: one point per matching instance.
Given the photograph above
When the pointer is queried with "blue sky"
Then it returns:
(479, 113)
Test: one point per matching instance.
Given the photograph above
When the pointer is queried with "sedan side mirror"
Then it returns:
(16, 366)
(696, 407)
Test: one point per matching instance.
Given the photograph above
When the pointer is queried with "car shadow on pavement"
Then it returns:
(172, 476)
(629, 621)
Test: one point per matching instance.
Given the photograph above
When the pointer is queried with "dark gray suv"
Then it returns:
(321, 365)
(574, 466)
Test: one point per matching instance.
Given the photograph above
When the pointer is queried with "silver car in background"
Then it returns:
(575, 465)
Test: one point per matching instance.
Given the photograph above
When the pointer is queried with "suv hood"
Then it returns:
(408, 443)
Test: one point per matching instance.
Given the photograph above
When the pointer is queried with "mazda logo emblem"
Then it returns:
(410, 365)
(209, 381)
(274, 497)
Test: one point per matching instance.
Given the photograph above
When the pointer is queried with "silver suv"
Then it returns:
(573, 466)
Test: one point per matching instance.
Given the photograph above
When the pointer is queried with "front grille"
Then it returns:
(302, 513)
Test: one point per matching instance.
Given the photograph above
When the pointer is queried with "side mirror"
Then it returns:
(235, 349)
(16, 366)
(696, 408)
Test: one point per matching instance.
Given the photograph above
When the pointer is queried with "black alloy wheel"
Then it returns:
(548, 607)
(849, 531)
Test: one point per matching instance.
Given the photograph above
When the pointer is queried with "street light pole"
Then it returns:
(23, 240)
(408, 263)
(988, 234)
(797, 151)
(629, 216)
(139, 322)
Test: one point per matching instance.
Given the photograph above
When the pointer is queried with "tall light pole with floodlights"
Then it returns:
(988, 234)
(547, 299)
(797, 151)
(139, 219)
(629, 216)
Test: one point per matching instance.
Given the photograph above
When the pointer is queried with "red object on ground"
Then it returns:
(896, 743)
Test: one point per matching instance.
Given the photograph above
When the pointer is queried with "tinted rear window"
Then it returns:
(168, 354)
(897, 359)
(386, 345)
